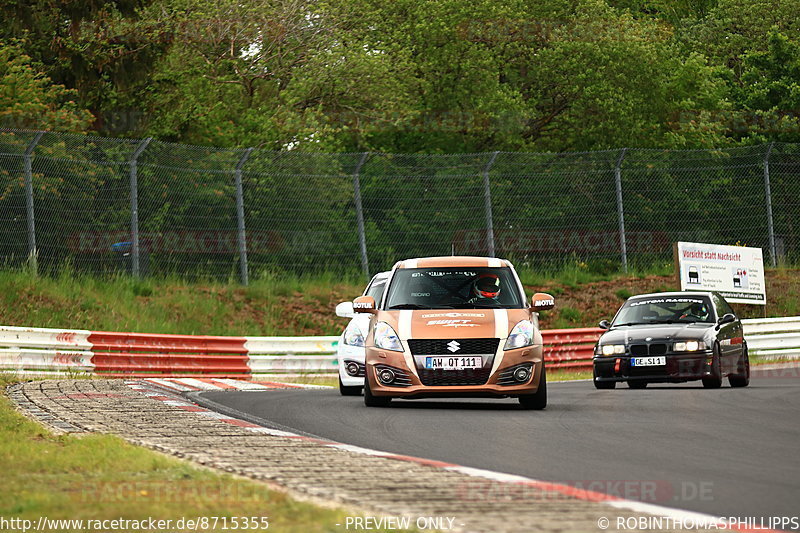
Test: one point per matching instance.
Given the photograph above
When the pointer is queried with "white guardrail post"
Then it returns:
(43, 351)
(278, 355)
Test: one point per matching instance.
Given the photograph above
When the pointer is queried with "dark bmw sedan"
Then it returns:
(672, 337)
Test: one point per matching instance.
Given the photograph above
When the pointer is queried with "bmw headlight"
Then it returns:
(386, 338)
(689, 346)
(520, 336)
(352, 335)
(612, 349)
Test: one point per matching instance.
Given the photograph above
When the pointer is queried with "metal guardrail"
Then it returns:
(773, 338)
(40, 350)
(570, 349)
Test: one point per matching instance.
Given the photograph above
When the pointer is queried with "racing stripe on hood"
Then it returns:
(501, 332)
(404, 324)
(500, 323)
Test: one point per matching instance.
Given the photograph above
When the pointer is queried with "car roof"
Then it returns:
(672, 293)
(453, 261)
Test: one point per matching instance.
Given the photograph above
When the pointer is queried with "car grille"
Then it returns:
(466, 346)
(471, 376)
(438, 377)
(639, 350)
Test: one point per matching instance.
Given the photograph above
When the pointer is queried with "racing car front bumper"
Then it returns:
(348, 355)
(498, 384)
(679, 367)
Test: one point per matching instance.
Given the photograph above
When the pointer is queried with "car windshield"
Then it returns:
(665, 310)
(454, 288)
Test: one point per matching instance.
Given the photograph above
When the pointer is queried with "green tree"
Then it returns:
(30, 100)
(97, 47)
(770, 90)
(754, 45)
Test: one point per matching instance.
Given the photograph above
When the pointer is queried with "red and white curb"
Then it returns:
(207, 384)
(181, 385)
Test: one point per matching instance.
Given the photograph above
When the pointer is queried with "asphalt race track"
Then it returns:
(725, 452)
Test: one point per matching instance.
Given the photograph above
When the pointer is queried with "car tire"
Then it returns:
(374, 401)
(349, 390)
(602, 385)
(538, 400)
(637, 384)
(714, 381)
(742, 377)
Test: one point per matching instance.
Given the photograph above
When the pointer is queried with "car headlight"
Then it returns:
(689, 346)
(612, 349)
(520, 336)
(386, 338)
(352, 336)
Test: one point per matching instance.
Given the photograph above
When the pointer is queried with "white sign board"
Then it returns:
(736, 272)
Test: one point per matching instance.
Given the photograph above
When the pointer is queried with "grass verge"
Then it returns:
(304, 305)
(101, 477)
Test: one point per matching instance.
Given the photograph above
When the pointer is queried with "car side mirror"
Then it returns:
(727, 318)
(604, 324)
(541, 301)
(364, 304)
(345, 310)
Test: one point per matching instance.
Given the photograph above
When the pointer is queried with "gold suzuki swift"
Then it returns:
(454, 327)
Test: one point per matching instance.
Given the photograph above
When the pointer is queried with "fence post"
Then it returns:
(768, 195)
(620, 211)
(135, 205)
(241, 236)
(33, 253)
(487, 201)
(362, 237)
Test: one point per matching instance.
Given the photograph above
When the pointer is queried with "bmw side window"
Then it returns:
(723, 306)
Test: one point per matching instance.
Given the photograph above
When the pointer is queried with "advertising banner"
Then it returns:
(736, 272)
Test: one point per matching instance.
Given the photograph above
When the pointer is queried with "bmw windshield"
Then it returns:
(665, 310)
(454, 288)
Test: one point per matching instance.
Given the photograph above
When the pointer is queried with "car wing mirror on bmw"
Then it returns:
(345, 309)
(542, 301)
(364, 304)
(604, 324)
(727, 318)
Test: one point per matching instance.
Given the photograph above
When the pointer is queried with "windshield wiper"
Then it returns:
(627, 324)
(409, 306)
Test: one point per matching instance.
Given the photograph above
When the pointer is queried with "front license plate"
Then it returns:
(648, 361)
(454, 363)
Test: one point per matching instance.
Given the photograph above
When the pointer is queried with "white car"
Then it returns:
(350, 351)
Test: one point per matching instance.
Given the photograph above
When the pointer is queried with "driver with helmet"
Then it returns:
(486, 287)
(697, 310)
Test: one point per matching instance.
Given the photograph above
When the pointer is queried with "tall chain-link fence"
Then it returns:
(146, 207)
